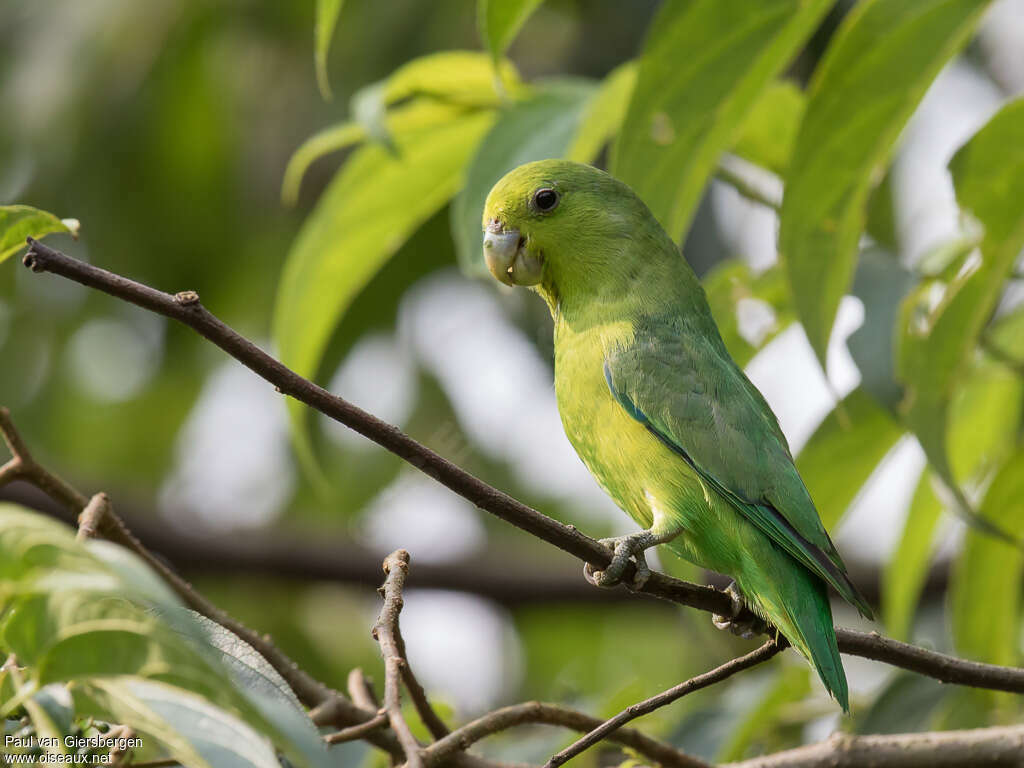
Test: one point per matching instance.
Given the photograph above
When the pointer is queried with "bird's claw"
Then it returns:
(624, 548)
(746, 626)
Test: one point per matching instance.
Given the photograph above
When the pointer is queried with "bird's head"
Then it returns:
(562, 226)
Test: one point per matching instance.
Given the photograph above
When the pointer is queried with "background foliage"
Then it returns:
(173, 129)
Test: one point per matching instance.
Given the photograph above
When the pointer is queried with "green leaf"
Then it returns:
(843, 452)
(370, 208)
(906, 704)
(193, 731)
(603, 114)
(767, 135)
(326, 20)
(792, 684)
(906, 571)
(18, 222)
(873, 75)
(942, 320)
(499, 22)
(703, 68)
(985, 589)
(536, 129)
(732, 289)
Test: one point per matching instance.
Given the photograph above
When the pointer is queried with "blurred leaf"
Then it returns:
(46, 715)
(603, 114)
(55, 702)
(877, 68)
(906, 572)
(1007, 334)
(843, 452)
(326, 20)
(881, 283)
(905, 705)
(792, 683)
(370, 208)
(767, 134)
(194, 732)
(941, 321)
(750, 310)
(985, 588)
(18, 222)
(881, 222)
(499, 22)
(703, 68)
(536, 129)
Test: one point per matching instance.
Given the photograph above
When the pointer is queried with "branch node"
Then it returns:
(186, 298)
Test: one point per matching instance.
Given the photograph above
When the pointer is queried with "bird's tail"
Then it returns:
(804, 617)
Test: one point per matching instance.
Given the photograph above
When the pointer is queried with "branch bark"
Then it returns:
(989, 747)
(186, 308)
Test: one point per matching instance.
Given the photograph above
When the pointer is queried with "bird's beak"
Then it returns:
(508, 257)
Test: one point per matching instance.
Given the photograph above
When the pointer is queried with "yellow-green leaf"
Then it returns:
(18, 222)
(985, 590)
(371, 207)
(326, 20)
(499, 22)
(703, 68)
(603, 114)
(767, 135)
(875, 72)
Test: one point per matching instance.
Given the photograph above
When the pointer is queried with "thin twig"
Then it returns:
(396, 566)
(990, 747)
(427, 714)
(360, 688)
(716, 675)
(731, 171)
(354, 732)
(93, 516)
(534, 712)
(186, 308)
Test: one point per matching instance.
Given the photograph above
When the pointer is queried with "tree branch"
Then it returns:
(990, 747)
(534, 712)
(385, 632)
(185, 308)
(716, 675)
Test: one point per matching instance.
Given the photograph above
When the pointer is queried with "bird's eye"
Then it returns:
(545, 200)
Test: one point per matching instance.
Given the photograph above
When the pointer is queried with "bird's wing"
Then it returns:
(682, 385)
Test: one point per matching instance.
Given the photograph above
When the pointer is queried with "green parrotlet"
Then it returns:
(656, 408)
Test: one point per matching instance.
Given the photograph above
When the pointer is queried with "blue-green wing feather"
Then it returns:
(682, 385)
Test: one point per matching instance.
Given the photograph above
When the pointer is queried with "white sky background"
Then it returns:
(237, 471)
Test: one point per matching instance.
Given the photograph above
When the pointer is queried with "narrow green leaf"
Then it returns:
(843, 452)
(326, 20)
(603, 114)
(736, 295)
(536, 129)
(18, 222)
(703, 68)
(942, 320)
(767, 135)
(873, 75)
(370, 208)
(906, 571)
(499, 22)
(985, 590)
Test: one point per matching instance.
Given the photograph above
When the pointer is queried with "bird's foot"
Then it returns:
(740, 621)
(625, 548)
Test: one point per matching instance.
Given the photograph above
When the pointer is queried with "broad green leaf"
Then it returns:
(985, 589)
(703, 68)
(873, 75)
(50, 717)
(370, 208)
(750, 310)
(499, 22)
(18, 222)
(942, 320)
(906, 572)
(792, 684)
(603, 114)
(536, 129)
(843, 452)
(192, 730)
(767, 134)
(323, 30)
